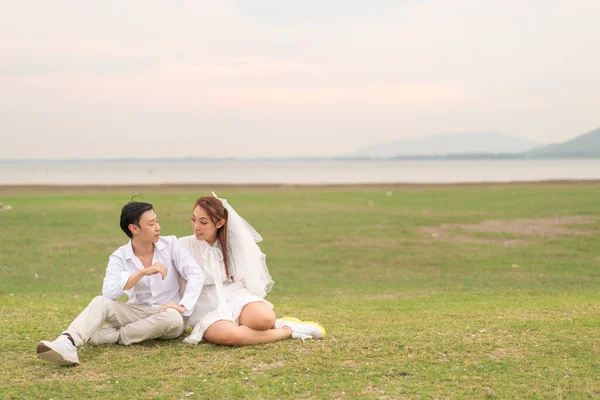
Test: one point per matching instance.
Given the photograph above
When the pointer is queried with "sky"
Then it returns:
(259, 78)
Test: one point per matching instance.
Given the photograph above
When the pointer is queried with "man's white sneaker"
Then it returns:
(59, 351)
(106, 335)
(304, 329)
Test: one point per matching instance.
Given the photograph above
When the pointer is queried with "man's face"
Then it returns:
(148, 229)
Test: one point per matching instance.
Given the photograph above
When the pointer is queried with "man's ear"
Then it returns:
(220, 223)
(134, 229)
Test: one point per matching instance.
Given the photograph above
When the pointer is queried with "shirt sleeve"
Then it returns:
(191, 272)
(116, 278)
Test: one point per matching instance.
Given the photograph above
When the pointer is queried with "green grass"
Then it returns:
(407, 315)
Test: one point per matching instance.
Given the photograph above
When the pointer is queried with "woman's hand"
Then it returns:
(181, 309)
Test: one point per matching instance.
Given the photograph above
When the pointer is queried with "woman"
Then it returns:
(231, 309)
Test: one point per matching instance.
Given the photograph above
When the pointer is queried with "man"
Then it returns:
(147, 269)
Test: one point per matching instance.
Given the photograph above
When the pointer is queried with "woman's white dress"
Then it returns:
(221, 299)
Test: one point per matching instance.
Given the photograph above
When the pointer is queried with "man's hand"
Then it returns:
(170, 304)
(156, 268)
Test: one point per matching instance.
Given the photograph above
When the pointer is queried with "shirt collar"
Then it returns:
(160, 245)
(129, 250)
(205, 244)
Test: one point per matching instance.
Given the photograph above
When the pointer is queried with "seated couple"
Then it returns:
(215, 280)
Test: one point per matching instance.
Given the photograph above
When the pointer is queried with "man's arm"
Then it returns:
(156, 268)
(191, 272)
(117, 279)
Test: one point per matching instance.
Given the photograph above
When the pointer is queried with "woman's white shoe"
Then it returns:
(303, 329)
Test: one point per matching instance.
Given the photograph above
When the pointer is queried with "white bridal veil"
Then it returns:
(245, 255)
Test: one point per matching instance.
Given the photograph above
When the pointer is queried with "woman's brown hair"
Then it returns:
(216, 212)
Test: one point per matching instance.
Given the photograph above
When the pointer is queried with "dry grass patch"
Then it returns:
(506, 354)
(362, 241)
(403, 295)
(383, 296)
(532, 227)
(261, 367)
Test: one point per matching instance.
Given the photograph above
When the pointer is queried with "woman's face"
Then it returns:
(204, 228)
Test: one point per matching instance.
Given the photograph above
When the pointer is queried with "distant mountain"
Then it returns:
(456, 143)
(583, 146)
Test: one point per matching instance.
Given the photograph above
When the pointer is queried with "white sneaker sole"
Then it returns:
(47, 353)
(318, 326)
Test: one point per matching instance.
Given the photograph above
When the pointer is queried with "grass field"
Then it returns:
(475, 291)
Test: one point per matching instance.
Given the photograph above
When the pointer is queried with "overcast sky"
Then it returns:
(258, 78)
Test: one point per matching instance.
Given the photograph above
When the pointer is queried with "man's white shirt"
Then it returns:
(153, 290)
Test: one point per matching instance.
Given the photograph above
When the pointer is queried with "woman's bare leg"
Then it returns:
(258, 316)
(228, 333)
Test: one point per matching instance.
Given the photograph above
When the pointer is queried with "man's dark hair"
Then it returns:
(131, 214)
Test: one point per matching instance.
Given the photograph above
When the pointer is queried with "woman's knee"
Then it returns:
(257, 316)
(264, 321)
(260, 321)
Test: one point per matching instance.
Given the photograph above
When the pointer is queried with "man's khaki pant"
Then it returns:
(137, 323)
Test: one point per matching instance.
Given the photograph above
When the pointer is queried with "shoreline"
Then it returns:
(29, 188)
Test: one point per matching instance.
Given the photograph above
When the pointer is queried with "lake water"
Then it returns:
(292, 172)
